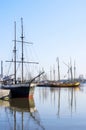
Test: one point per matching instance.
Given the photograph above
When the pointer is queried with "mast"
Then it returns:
(54, 73)
(22, 52)
(74, 71)
(15, 53)
(71, 70)
(58, 69)
(50, 73)
(1, 69)
(22, 37)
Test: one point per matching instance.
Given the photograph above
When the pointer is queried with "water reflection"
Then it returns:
(62, 100)
(47, 108)
(22, 106)
(22, 114)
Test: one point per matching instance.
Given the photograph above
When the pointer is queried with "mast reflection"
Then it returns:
(28, 111)
(22, 113)
(64, 100)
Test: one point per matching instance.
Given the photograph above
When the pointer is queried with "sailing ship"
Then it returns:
(21, 89)
(62, 83)
(67, 83)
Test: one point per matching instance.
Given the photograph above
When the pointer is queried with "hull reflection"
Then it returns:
(21, 110)
(4, 103)
(23, 104)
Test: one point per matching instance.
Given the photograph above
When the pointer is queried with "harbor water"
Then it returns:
(48, 108)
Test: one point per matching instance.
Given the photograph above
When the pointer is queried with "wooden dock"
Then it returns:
(4, 93)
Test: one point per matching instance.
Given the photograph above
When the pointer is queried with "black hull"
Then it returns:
(19, 92)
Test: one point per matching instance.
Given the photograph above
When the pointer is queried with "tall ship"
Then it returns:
(20, 89)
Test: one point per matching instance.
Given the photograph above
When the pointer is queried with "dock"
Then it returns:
(4, 93)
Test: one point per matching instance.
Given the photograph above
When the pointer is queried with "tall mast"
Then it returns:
(50, 73)
(1, 69)
(74, 71)
(58, 69)
(22, 53)
(15, 53)
(22, 37)
(54, 73)
(71, 70)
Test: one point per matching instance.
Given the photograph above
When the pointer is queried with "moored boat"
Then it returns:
(17, 90)
(22, 88)
(65, 84)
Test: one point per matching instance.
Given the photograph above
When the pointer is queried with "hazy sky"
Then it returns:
(56, 27)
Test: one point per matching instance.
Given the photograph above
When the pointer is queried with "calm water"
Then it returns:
(47, 109)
